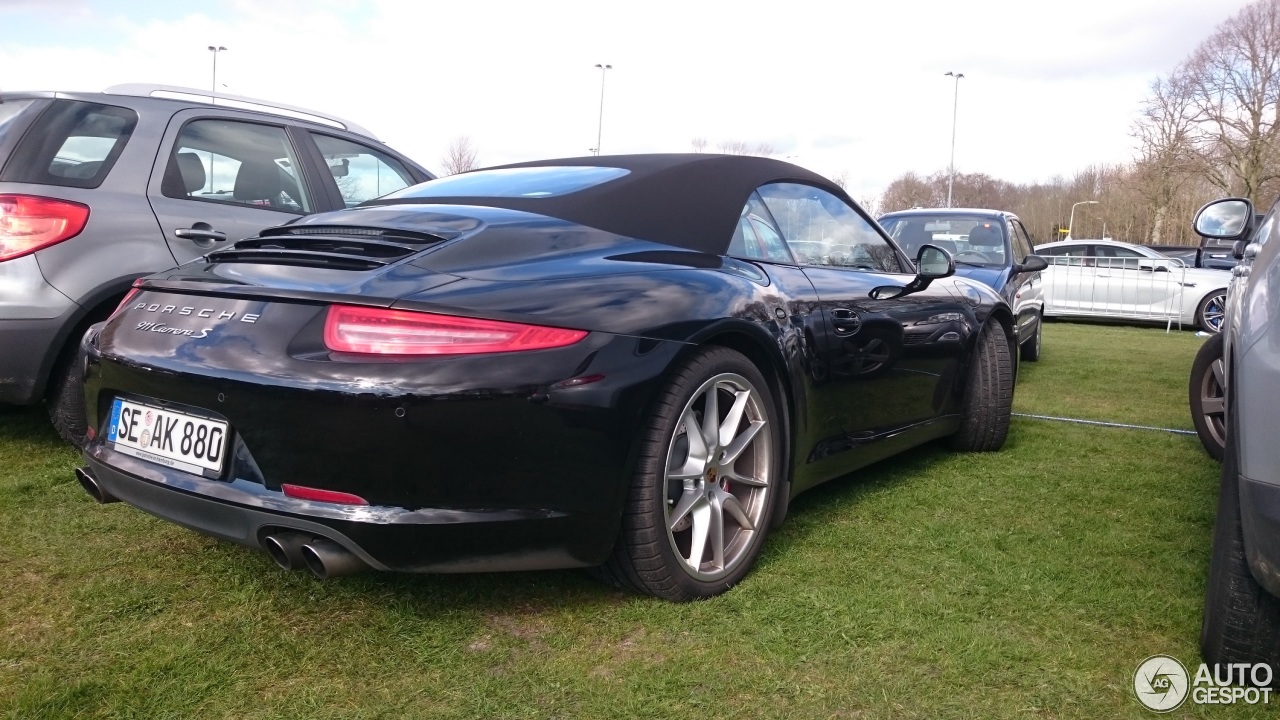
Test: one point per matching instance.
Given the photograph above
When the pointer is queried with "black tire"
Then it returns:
(1212, 310)
(988, 394)
(1207, 397)
(65, 401)
(1241, 620)
(648, 556)
(1030, 350)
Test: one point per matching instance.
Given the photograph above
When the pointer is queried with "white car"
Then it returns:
(1109, 279)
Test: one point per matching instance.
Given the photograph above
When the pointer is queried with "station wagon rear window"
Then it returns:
(71, 144)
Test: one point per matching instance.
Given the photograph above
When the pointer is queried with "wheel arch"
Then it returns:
(758, 346)
(96, 307)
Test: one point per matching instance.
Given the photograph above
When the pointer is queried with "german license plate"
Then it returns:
(174, 439)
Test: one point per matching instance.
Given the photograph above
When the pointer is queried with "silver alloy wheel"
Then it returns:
(1213, 403)
(718, 477)
(1214, 311)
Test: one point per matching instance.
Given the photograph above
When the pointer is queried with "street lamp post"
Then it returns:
(600, 120)
(1071, 221)
(213, 87)
(955, 106)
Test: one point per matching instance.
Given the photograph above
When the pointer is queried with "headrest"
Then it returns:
(192, 171)
(257, 181)
(985, 235)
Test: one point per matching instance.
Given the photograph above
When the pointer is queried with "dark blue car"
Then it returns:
(990, 246)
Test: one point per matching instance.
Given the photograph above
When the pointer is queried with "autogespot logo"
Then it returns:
(1161, 683)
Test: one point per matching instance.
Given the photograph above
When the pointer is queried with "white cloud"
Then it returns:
(841, 87)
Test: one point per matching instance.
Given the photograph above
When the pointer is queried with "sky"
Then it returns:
(855, 89)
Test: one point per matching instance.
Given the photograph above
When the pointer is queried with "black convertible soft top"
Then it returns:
(692, 200)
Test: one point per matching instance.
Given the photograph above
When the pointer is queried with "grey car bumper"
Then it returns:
(25, 359)
(1260, 520)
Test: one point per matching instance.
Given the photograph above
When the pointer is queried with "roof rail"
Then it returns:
(174, 92)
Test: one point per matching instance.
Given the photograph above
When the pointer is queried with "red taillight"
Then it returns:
(302, 492)
(29, 223)
(127, 297)
(378, 331)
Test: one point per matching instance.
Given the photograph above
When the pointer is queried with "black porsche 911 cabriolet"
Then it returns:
(626, 363)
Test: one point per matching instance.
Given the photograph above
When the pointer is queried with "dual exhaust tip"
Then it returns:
(324, 558)
(290, 550)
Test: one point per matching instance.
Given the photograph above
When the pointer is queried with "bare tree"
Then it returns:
(699, 144)
(1167, 158)
(764, 149)
(907, 191)
(741, 147)
(841, 179)
(1234, 85)
(461, 156)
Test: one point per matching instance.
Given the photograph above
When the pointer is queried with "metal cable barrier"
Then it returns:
(1115, 287)
(1127, 426)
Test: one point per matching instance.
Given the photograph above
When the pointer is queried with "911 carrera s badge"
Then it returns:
(162, 328)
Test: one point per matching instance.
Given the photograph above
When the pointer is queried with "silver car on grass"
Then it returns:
(1242, 603)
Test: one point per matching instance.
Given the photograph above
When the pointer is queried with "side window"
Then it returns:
(242, 163)
(76, 146)
(1117, 257)
(361, 173)
(1067, 255)
(756, 238)
(821, 229)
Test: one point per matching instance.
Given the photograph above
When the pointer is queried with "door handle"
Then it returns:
(196, 232)
(846, 321)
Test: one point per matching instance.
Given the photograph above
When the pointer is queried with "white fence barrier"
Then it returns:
(1112, 287)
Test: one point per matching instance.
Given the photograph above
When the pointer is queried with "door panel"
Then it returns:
(219, 179)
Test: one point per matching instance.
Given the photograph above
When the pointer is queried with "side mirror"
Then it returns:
(932, 263)
(1226, 219)
(1032, 263)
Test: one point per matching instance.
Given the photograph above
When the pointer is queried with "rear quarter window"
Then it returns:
(71, 144)
(9, 112)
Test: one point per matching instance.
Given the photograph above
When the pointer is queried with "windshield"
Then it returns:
(529, 182)
(971, 239)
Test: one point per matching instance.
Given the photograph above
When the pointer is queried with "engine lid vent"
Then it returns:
(330, 246)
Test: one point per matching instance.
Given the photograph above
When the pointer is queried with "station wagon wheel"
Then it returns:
(700, 503)
(1212, 310)
(1207, 392)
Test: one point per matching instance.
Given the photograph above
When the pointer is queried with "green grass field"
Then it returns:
(1022, 584)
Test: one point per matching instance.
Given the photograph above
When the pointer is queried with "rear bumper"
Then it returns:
(385, 538)
(25, 357)
(1260, 520)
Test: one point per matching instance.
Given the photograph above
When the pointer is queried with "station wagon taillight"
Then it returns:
(380, 331)
(29, 223)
